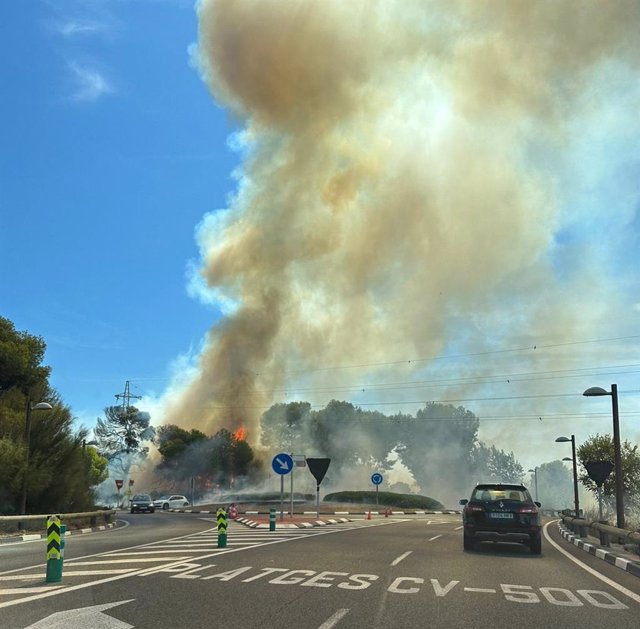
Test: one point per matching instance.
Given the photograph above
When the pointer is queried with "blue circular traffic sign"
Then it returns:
(376, 479)
(282, 463)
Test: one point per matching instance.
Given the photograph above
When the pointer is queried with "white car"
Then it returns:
(171, 502)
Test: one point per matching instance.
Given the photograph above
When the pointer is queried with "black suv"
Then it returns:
(502, 513)
(142, 502)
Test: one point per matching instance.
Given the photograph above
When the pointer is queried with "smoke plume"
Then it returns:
(409, 170)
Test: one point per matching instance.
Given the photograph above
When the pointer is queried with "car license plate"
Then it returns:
(501, 516)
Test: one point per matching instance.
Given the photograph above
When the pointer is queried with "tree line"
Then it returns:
(45, 466)
(57, 467)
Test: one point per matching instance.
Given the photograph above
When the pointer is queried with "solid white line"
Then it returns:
(333, 621)
(142, 554)
(589, 569)
(67, 573)
(436, 537)
(396, 561)
(35, 590)
(110, 561)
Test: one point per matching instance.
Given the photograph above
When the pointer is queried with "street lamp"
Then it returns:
(617, 462)
(535, 473)
(40, 406)
(575, 470)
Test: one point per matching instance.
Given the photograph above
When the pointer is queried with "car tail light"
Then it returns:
(474, 507)
(533, 510)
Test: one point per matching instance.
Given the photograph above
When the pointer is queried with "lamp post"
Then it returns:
(535, 473)
(617, 457)
(575, 470)
(40, 406)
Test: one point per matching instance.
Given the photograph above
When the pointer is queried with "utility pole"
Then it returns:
(126, 397)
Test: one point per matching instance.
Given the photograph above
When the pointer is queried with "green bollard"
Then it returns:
(54, 548)
(272, 519)
(221, 516)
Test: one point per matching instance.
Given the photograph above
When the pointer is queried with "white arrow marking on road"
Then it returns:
(83, 617)
(283, 464)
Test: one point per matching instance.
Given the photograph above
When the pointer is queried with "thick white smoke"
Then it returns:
(411, 168)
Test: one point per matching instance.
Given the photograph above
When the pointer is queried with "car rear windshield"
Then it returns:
(501, 493)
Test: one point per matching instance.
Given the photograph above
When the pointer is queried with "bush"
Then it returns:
(386, 498)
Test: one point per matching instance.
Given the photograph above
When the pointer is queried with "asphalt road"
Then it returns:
(166, 571)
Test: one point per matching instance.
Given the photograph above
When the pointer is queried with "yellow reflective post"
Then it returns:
(221, 515)
(54, 550)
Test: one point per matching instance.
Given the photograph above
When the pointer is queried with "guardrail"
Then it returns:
(12, 523)
(601, 529)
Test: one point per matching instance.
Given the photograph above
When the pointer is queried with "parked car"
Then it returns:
(171, 502)
(142, 502)
(501, 513)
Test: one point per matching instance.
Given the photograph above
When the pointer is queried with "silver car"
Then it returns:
(174, 501)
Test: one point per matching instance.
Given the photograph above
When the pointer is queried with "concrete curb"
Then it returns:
(30, 537)
(598, 551)
(298, 525)
(411, 512)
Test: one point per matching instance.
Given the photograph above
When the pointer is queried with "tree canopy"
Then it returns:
(20, 356)
(600, 448)
(58, 474)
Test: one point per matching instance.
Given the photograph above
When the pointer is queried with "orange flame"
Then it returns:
(240, 434)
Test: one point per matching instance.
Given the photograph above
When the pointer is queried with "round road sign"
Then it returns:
(282, 463)
(376, 479)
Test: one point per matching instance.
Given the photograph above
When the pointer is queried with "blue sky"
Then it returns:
(433, 216)
(113, 150)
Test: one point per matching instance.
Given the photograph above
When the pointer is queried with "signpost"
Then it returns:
(119, 484)
(129, 490)
(318, 467)
(282, 464)
(298, 461)
(599, 472)
(376, 479)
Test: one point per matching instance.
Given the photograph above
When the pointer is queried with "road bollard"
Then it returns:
(54, 550)
(221, 515)
(272, 519)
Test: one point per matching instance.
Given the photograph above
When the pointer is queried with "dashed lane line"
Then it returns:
(397, 560)
(436, 537)
(334, 620)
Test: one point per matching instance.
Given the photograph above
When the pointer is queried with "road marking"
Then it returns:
(84, 617)
(589, 569)
(458, 528)
(68, 573)
(173, 560)
(333, 621)
(436, 537)
(485, 590)
(34, 590)
(396, 561)
(136, 560)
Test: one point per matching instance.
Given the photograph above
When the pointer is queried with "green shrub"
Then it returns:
(386, 498)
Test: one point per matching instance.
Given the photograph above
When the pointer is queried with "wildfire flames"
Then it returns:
(240, 434)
